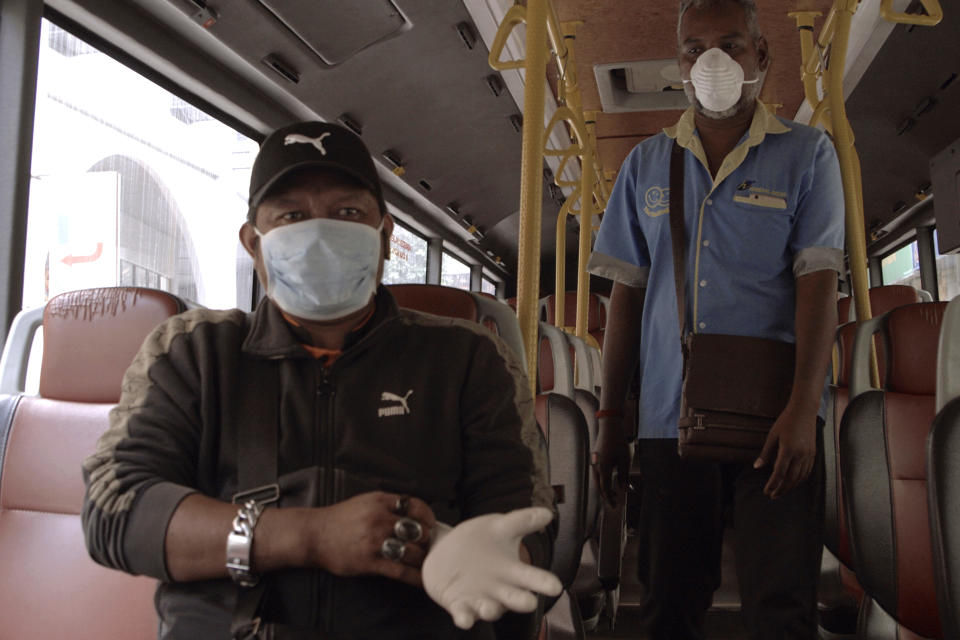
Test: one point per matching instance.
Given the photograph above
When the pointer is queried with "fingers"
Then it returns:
(515, 599)
(780, 468)
(530, 578)
(397, 571)
(520, 522)
(421, 512)
(767, 452)
(463, 615)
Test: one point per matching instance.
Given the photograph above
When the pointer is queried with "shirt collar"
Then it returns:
(763, 123)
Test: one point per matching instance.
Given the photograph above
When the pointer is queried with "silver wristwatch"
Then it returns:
(240, 544)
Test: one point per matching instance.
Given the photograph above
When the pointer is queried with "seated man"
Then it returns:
(320, 439)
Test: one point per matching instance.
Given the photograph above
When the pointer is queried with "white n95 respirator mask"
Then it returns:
(717, 80)
(321, 269)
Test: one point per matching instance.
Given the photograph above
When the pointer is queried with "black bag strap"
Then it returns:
(257, 435)
(677, 234)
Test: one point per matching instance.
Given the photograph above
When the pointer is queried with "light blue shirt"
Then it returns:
(774, 212)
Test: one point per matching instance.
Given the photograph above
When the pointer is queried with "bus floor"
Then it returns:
(723, 619)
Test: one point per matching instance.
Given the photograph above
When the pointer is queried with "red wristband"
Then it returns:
(610, 413)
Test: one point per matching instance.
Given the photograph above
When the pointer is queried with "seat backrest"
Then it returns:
(882, 457)
(836, 533)
(466, 305)
(943, 452)
(882, 299)
(51, 588)
(568, 445)
(595, 314)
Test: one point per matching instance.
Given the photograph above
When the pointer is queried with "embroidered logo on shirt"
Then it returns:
(657, 201)
(400, 406)
(298, 138)
(746, 184)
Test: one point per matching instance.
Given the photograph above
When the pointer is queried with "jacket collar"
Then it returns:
(271, 336)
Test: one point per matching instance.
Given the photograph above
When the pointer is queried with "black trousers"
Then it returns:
(778, 544)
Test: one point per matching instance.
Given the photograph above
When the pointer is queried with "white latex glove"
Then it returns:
(474, 570)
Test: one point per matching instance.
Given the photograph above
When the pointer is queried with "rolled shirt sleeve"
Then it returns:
(620, 252)
(818, 231)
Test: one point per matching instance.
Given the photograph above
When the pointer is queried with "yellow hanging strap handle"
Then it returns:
(931, 19)
(516, 15)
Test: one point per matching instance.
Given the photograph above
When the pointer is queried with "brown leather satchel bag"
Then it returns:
(734, 387)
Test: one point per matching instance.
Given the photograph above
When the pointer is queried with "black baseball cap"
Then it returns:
(312, 144)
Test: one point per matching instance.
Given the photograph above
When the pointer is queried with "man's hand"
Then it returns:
(611, 461)
(794, 438)
(347, 538)
(475, 570)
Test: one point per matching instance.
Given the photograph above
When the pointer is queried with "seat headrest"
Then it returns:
(595, 315)
(913, 335)
(91, 336)
(882, 299)
(436, 299)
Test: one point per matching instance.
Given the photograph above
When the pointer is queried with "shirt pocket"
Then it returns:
(761, 224)
(760, 201)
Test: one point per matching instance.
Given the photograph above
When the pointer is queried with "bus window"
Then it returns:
(131, 185)
(948, 273)
(408, 258)
(488, 286)
(454, 273)
(902, 266)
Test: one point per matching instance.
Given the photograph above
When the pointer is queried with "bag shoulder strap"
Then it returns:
(677, 234)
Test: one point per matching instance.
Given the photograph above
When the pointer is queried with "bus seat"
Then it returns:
(467, 305)
(51, 586)
(943, 452)
(838, 594)
(596, 313)
(882, 459)
(567, 444)
(882, 299)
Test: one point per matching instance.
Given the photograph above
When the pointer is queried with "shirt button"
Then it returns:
(706, 243)
(703, 325)
(709, 201)
(703, 283)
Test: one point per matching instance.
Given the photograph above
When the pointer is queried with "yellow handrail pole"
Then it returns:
(531, 182)
(847, 155)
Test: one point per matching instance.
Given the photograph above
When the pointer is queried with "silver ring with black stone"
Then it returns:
(407, 529)
(393, 549)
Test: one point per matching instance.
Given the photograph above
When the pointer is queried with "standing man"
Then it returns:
(764, 229)
(283, 473)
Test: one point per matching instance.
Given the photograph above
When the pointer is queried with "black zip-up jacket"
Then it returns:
(432, 407)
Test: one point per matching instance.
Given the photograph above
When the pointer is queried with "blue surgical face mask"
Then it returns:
(321, 269)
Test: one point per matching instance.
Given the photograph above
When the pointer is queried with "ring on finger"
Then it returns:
(393, 549)
(402, 505)
(407, 529)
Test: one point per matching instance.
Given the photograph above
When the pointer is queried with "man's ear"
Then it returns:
(763, 54)
(249, 238)
(386, 233)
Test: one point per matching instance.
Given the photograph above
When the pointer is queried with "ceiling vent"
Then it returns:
(336, 31)
(645, 85)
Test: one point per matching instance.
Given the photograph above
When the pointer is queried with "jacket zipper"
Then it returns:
(325, 440)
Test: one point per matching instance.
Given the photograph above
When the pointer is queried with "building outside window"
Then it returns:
(454, 273)
(408, 258)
